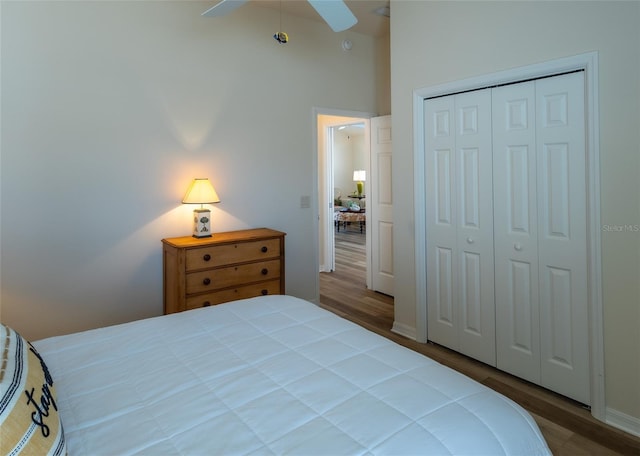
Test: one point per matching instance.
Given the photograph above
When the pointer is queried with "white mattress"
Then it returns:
(270, 375)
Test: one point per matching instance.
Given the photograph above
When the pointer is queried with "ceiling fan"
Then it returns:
(334, 12)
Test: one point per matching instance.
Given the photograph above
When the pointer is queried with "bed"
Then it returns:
(269, 375)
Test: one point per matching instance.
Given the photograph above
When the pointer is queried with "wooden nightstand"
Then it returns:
(228, 266)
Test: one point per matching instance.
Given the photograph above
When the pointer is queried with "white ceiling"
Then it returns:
(369, 23)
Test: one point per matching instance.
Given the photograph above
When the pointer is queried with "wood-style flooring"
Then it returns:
(567, 426)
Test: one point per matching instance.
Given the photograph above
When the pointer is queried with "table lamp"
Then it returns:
(359, 176)
(201, 192)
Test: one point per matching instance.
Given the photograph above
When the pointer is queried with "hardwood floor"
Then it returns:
(568, 427)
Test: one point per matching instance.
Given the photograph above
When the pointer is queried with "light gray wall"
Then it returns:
(348, 155)
(437, 42)
(109, 109)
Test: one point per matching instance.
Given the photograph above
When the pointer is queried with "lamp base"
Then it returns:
(201, 223)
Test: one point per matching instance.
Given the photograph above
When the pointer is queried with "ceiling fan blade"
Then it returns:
(223, 7)
(335, 13)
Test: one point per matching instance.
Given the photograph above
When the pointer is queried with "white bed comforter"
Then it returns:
(270, 375)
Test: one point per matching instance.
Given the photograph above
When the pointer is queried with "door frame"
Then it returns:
(589, 63)
(320, 151)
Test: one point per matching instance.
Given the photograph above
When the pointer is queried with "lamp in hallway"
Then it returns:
(359, 176)
(201, 192)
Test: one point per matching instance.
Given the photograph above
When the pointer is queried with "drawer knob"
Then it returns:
(264, 292)
(206, 257)
(206, 281)
(264, 249)
(206, 304)
(265, 271)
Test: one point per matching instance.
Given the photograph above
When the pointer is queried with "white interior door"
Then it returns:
(562, 235)
(516, 230)
(441, 221)
(380, 206)
(460, 223)
(540, 233)
(475, 225)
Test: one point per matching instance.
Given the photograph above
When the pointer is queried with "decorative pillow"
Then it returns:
(29, 422)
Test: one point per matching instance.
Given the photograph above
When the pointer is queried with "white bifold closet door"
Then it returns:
(506, 229)
(460, 224)
(539, 178)
(516, 231)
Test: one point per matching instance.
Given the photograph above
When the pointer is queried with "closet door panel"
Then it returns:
(474, 193)
(521, 292)
(444, 289)
(515, 228)
(441, 211)
(562, 235)
(470, 294)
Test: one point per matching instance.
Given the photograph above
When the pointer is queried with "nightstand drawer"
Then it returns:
(219, 255)
(213, 279)
(231, 294)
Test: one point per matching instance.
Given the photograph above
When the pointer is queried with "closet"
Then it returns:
(506, 229)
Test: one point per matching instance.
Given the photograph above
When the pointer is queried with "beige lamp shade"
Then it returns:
(201, 192)
(359, 175)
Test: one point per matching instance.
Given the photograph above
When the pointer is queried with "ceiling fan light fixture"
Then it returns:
(281, 37)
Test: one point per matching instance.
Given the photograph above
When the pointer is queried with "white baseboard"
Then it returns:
(404, 330)
(622, 421)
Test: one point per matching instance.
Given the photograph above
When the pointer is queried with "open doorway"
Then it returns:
(343, 291)
(350, 155)
(343, 147)
(377, 188)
